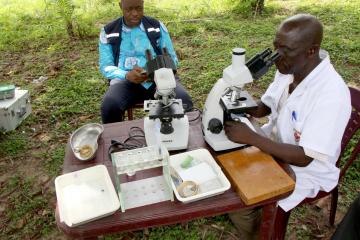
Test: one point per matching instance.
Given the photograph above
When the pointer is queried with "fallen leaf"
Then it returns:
(304, 227)
(2, 209)
(323, 202)
(44, 179)
(44, 137)
(45, 212)
(221, 228)
(20, 224)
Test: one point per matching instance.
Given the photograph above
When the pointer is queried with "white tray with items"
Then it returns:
(195, 175)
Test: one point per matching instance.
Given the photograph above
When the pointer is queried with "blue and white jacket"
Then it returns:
(134, 42)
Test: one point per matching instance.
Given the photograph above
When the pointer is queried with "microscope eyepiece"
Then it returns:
(274, 57)
(238, 51)
(260, 63)
(266, 53)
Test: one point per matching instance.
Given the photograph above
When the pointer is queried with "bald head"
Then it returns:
(307, 28)
(298, 41)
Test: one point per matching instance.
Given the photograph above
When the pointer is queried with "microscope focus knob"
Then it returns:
(215, 126)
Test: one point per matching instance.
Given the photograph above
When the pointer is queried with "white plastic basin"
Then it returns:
(85, 195)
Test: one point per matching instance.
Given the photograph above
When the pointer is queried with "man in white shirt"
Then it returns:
(308, 105)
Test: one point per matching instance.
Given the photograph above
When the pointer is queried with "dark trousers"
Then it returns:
(247, 222)
(349, 228)
(122, 95)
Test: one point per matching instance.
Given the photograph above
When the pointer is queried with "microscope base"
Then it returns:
(177, 140)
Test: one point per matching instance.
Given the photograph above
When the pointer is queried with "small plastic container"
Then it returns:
(206, 162)
(85, 195)
(7, 92)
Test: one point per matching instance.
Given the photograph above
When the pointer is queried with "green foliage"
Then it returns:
(26, 209)
(54, 162)
(66, 11)
(12, 144)
(248, 7)
(350, 184)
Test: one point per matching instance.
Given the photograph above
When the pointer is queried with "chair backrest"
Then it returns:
(351, 130)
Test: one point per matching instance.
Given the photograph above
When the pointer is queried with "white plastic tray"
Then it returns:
(85, 195)
(202, 155)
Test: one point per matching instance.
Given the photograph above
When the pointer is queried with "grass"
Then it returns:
(34, 43)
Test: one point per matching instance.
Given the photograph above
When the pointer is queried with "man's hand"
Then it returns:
(260, 111)
(136, 75)
(239, 132)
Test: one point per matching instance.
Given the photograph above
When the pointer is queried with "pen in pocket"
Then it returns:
(293, 116)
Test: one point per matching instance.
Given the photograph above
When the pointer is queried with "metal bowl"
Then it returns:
(84, 141)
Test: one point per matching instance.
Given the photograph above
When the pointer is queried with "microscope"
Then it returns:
(228, 101)
(166, 122)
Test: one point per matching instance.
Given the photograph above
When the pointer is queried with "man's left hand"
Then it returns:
(239, 132)
(136, 75)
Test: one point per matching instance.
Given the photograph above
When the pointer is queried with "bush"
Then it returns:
(249, 7)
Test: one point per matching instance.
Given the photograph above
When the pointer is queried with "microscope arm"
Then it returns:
(213, 113)
(227, 100)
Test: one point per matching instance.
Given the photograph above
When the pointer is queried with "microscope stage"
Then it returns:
(244, 102)
(157, 109)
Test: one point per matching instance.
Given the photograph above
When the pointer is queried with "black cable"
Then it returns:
(194, 109)
(136, 137)
(136, 129)
(137, 134)
(121, 146)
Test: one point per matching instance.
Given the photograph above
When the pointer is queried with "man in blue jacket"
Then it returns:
(122, 59)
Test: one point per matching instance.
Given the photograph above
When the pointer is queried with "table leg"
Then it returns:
(267, 221)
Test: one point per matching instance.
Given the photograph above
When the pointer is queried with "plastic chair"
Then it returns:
(352, 127)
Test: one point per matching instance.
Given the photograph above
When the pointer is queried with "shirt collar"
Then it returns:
(311, 78)
(325, 61)
(127, 29)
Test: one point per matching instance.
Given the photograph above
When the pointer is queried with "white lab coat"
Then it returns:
(314, 117)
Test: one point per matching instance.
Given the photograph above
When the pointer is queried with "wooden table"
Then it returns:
(163, 213)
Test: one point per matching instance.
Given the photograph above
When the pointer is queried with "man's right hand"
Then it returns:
(135, 75)
(239, 132)
(260, 111)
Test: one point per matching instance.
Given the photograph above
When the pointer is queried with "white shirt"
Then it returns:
(313, 116)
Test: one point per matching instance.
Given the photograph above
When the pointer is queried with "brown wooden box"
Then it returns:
(255, 175)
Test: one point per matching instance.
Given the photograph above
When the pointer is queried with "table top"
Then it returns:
(163, 213)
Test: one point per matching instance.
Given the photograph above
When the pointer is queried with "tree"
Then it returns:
(257, 6)
(66, 10)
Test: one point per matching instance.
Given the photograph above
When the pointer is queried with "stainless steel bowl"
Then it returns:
(84, 141)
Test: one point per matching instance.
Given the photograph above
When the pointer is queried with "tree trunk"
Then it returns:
(258, 6)
(70, 29)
